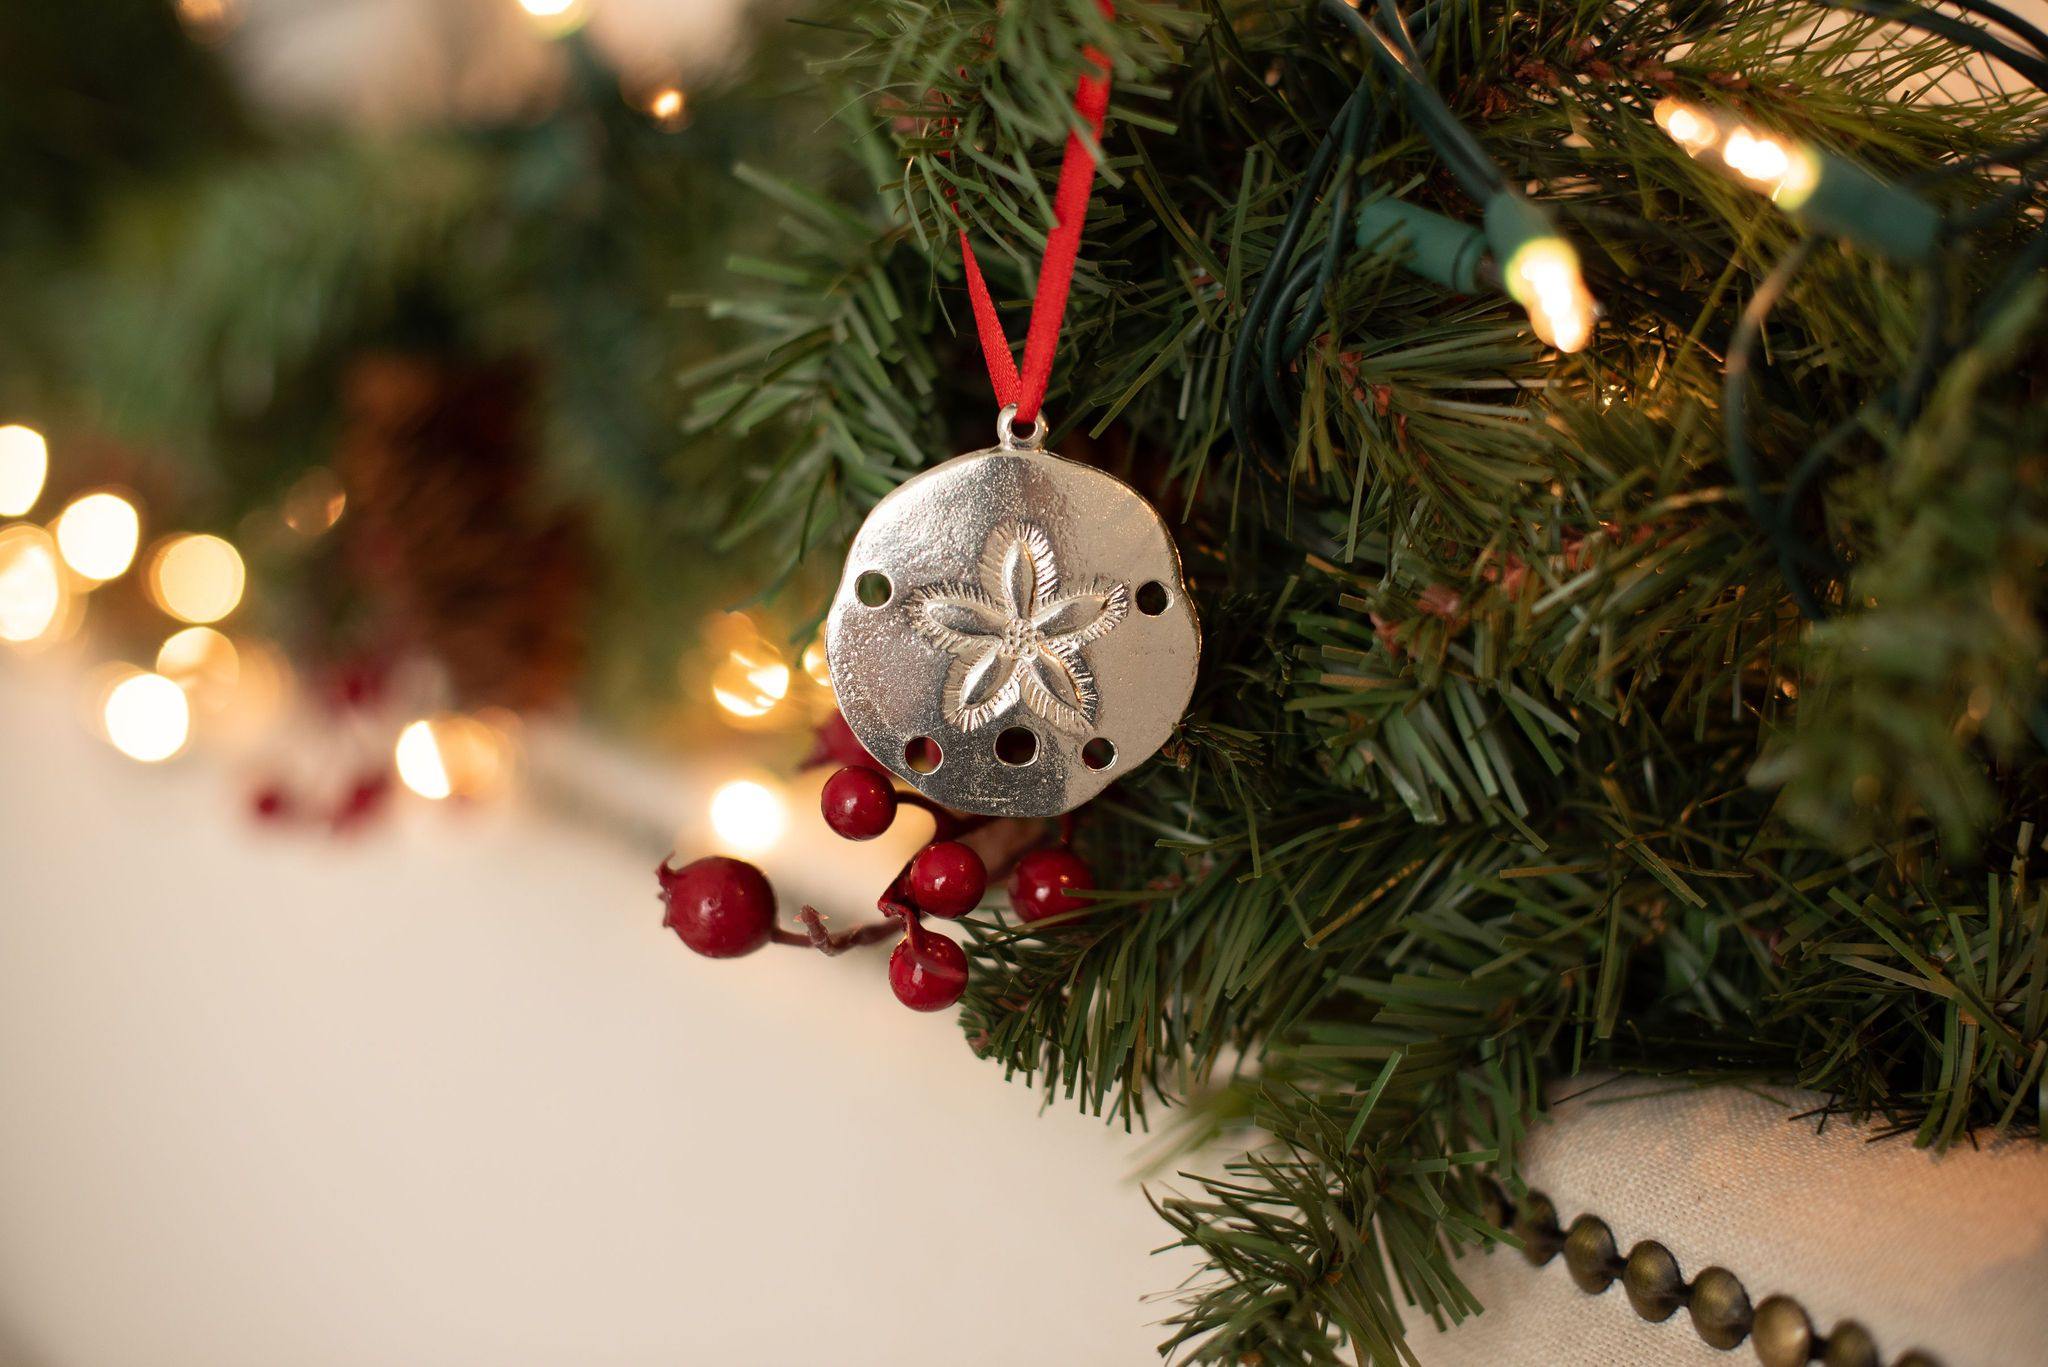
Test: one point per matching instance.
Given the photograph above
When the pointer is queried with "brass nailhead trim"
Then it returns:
(1778, 1328)
(1589, 1254)
(1720, 1308)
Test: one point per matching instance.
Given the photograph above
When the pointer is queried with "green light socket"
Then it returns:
(1850, 201)
(1433, 246)
(1511, 223)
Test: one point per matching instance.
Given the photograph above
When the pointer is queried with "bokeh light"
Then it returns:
(420, 766)
(816, 665)
(751, 681)
(554, 17)
(209, 21)
(315, 503)
(205, 664)
(32, 589)
(196, 578)
(147, 718)
(669, 107)
(747, 817)
(453, 756)
(24, 464)
(97, 535)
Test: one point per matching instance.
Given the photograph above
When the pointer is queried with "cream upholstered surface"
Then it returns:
(1947, 1254)
(448, 1096)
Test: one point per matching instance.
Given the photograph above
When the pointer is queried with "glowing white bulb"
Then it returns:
(31, 584)
(669, 108)
(1691, 129)
(97, 536)
(1543, 277)
(1784, 172)
(24, 462)
(747, 816)
(147, 717)
(1757, 158)
(420, 766)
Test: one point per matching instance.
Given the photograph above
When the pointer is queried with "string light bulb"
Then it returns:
(1783, 170)
(1540, 271)
(669, 108)
(146, 717)
(24, 463)
(1815, 186)
(32, 590)
(97, 535)
(1543, 277)
(1690, 128)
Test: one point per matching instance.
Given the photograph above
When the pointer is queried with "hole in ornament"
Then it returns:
(1152, 598)
(922, 754)
(1099, 753)
(1016, 746)
(873, 588)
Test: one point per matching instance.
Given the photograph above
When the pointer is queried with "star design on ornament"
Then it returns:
(1014, 637)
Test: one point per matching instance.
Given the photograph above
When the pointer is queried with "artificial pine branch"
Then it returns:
(1513, 754)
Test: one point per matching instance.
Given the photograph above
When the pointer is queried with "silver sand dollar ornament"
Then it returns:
(1012, 632)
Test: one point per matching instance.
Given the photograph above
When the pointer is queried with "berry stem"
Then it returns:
(895, 903)
(949, 825)
(816, 937)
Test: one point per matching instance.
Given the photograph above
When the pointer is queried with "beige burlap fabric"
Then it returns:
(1947, 1254)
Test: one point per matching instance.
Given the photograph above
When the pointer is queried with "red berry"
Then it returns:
(947, 879)
(361, 802)
(927, 972)
(858, 804)
(722, 908)
(269, 802)
(1043, 883)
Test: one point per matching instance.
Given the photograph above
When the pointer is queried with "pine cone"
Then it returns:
(446, 534)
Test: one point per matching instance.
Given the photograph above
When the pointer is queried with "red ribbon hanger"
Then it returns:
(1062, 246)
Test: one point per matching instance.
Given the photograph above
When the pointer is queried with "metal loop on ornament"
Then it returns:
(1006, 431)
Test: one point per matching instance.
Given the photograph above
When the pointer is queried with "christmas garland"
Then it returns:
(1663, 698)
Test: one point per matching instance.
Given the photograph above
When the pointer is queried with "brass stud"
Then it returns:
(1536, 1224)
(1778, 1329)
(1589, 1254)
(1495, 1205)
(1654, 1284)
(1850, 1345)
(1720, 1308)
(1781, 1333)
